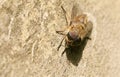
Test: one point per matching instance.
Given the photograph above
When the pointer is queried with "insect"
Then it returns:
(78, 28)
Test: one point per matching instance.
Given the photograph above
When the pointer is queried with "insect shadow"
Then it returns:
(74, 54)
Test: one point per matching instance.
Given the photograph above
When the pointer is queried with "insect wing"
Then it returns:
(76, 11)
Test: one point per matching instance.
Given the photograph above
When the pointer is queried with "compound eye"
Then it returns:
(72, 36)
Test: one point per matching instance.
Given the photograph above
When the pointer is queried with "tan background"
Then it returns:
(28, 41)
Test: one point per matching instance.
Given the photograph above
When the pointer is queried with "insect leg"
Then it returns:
(60, 32)
(66, 16)
(66, 49)
(63, 53)
(88, 38)
(60, 44)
